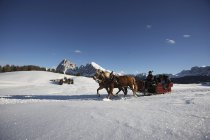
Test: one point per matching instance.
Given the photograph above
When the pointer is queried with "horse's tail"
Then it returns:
(135, 87)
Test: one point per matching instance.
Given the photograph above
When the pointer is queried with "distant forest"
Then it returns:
(11, 68)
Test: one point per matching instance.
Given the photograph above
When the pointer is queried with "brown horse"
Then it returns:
(105, 84)
(103, 79)
(122, 81)
(101, 75)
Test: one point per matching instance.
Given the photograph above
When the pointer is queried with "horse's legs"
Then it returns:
(98, 90)
(107, 89)
(119, 89)
(110, 93)
(125, 91)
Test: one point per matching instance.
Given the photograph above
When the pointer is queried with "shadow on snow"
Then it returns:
(60, 97)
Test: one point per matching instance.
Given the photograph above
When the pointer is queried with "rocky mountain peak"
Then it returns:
(68, 67)
(65, 65)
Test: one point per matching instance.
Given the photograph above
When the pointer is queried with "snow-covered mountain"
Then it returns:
(89, 69)
(195, 71)
(66, 66)
(141, 76)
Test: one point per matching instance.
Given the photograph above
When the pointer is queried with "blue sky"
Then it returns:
(165, 36)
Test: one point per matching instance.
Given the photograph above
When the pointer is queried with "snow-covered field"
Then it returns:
(31, 107)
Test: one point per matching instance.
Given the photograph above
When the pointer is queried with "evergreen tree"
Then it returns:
(53, 70)
(13, 68)
(6, 68)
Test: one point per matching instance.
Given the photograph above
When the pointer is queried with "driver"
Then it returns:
(149, 80)
(150, 77)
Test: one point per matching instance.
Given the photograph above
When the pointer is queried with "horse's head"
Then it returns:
(99, 76)
(113, 78)
(105, 74)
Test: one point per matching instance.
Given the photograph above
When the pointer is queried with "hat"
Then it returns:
(150, 71)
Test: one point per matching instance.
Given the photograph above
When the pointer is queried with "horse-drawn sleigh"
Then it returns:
(156, 85)
(159, 84)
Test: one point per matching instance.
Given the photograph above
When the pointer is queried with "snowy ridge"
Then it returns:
(89, 69)
(195, 71)
(70, 68)
(34, 108)
(96, 66)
